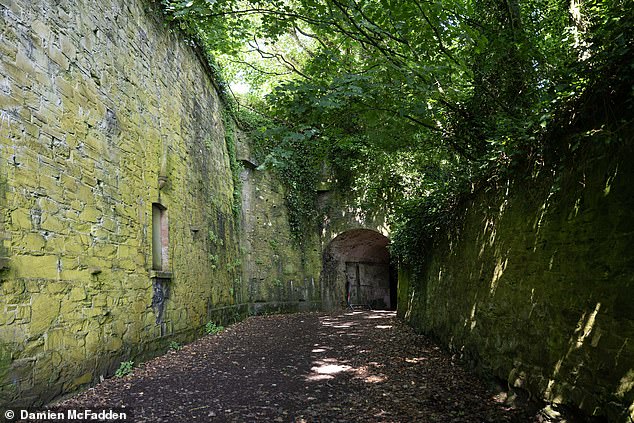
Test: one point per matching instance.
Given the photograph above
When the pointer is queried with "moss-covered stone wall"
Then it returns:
(279, 276)
(97, 101)
(535, 284)
(286, 274)
(343, 214)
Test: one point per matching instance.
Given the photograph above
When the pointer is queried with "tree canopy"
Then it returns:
(411, 103)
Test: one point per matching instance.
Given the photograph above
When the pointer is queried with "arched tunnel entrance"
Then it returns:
(357, 271)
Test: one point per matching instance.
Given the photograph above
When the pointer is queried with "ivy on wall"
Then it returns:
(236, 168)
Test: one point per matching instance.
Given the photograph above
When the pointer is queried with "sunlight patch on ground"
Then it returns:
(364, 374)
(329, 368)
(326, 369)
(381, 314)
(415, 360)
(338, 324)
(343, 326)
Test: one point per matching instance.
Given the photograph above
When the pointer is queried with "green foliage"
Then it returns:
(214, 238)
(234, 265)
(275, 244)
(214, 259)
(212, 329)
(230, 140)
(416, 225)
(125, 368)
(412, 104)
(174, 346)
(297, 159)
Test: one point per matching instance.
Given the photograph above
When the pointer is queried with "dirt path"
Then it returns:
(354, 367)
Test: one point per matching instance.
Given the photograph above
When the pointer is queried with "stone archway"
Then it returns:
(356, 269)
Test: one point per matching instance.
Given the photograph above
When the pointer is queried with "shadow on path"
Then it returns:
(354, 367)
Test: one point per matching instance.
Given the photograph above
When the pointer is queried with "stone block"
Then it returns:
(18, 76)
(70, 312)
(81, 380)
(9, 49)
(7, 317)
(21, 219)
(24, 64)
(53, 224)
(77, 294)
(68, 47)
(56, 287)
(93, 341)
(69, 263)
(34, 243)
(90, 214)
(41, 29)
(56, 55)
(44, 369)
(84, 195)
(44, 312)
(8, 102)
(34, 347)
(12, 287)
(105, 250)
(23, 313)
(42, 267)
(113, 343)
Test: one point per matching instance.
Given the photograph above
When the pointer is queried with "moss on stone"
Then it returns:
(529, 285)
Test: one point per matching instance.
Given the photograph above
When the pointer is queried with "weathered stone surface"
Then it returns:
(279, 276)
(535, 283)
(86, 108)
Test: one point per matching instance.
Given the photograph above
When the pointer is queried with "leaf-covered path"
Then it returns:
(353, 367)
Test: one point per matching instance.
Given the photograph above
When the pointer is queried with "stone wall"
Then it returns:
(349, 231)
(278, 275)
(281, 275)
(535, 284)
(97, 100)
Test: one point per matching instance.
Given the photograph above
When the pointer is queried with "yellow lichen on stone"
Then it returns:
(44, 311)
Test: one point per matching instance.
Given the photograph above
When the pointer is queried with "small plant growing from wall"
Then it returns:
(274, 243)
(215, 260)
(212, 329)
(215, 239)
(234, 265)
(125, 368)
